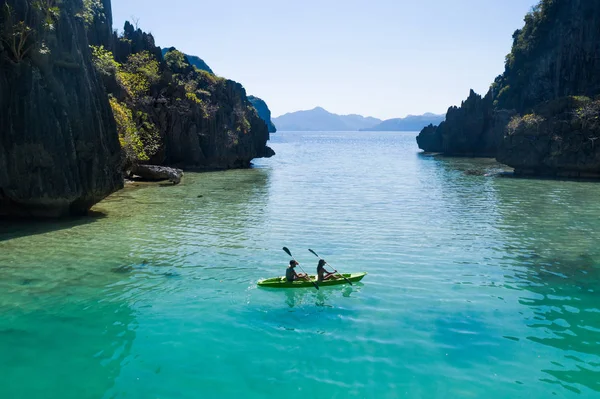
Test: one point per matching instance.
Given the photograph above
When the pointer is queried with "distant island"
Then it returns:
(319, 119)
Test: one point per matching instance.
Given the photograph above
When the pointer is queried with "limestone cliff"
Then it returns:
(554, 56)
(263, 111)
(180, 115)
(59, 149)
(559, 138)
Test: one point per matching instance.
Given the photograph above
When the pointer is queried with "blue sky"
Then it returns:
(382, 58)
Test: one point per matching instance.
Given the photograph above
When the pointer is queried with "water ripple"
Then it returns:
(478, 285)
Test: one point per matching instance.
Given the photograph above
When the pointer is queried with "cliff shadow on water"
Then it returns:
(19, 227)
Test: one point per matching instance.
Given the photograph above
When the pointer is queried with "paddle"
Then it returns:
(287, 251)
(317, 255)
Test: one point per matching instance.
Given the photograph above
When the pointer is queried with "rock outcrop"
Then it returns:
(59, 149)
(263, 111)
(197, 120)
(430, 139)
(473, 129)
(157, 173)
(554, 56)
(559, 138)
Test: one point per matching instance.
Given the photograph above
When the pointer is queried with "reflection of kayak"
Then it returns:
(280, 282)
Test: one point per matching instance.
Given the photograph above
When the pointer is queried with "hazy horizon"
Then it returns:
(366, 116)
(387, 59)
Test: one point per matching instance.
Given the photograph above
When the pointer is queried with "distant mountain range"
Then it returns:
(318, 119)
(412, 123)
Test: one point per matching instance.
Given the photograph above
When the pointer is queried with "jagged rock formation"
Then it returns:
(59, 149)
(263, 111)
(556, 55)
(473, 129)
(200, 121)
(99, 22)
(319, 119)
(430, 139)
(560, 138)
(64, 143)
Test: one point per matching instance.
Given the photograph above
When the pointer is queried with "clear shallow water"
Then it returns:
(478, 285)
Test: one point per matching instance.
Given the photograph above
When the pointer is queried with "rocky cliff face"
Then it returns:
(556, 55)
(97, 14)
(201, 121)
(222, 131)
(263, 111)
(473, 129)
(59, 149)
(559, 138)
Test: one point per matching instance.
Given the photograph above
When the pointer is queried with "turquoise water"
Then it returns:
(478, 285)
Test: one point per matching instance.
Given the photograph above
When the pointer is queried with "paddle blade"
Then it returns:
(316, 286)
(287, 251)
(313, 252)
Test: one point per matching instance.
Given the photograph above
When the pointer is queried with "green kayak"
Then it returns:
(280, 282)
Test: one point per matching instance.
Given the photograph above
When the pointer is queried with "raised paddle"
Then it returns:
(317, 255)
(287, 251)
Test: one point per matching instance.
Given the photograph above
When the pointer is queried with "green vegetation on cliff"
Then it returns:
(192, 59)
(170, 112)
(530, 43)
(138, 135)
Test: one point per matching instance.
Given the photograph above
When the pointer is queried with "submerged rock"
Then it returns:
(157, 173)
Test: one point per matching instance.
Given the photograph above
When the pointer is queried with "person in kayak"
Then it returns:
(324, 274)
(291, 275)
